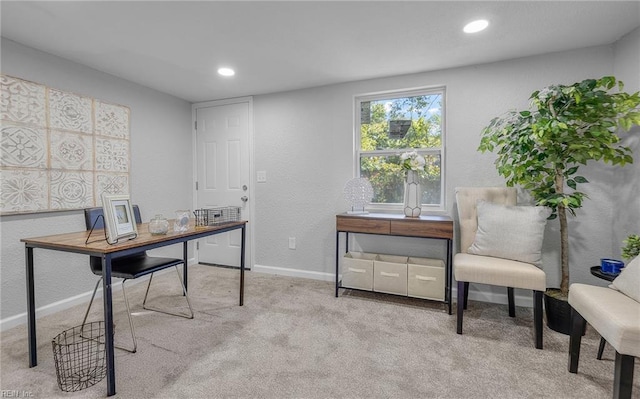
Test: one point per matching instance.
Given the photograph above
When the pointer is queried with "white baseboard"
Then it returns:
(283, 271)
(492, 297)
(14, 321)
(481, 296)
(116, 286)
(55, 307)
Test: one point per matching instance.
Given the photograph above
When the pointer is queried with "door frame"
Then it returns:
(249, 257)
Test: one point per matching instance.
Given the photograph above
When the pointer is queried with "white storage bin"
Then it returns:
(390, 274)
(426, 278)
(357, 270)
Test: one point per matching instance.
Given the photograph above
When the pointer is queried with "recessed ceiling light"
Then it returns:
(476, 26)
(226, 71)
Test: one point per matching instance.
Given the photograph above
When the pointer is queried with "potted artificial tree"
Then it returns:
(542, 149)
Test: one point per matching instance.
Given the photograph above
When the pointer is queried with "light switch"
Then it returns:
(262, 176)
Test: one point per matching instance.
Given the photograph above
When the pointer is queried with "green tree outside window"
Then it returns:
(380, 150)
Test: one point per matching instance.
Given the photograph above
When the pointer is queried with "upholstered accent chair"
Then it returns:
(616, 317)
(494, 251)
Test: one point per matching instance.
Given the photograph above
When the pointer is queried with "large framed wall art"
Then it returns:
(59, 150)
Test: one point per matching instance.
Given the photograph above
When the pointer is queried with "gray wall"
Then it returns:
(161, 175)
(626, 205)
(304, 140)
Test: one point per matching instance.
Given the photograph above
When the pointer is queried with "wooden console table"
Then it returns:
(432, 227)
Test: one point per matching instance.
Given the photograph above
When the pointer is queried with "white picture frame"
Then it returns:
(119, 219)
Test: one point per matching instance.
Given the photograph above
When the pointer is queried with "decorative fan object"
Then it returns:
(359, 193)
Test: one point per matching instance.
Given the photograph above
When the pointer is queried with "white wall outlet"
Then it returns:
(262, 176)
(292, 243)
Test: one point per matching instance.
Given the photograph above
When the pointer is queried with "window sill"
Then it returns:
(426, 210)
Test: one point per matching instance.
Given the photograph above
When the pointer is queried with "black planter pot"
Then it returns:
(558, 313)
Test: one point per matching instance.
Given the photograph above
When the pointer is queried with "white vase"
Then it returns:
(412, 194)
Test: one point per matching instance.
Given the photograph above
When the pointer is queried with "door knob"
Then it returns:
(244, 198)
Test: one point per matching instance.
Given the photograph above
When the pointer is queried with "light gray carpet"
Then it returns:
(294, 339)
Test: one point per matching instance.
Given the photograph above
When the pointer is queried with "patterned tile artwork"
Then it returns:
(110, 183)
(59, 150)
(68, 111)
(23, 146)
(112, 120)
(71, 151)
(112, 155)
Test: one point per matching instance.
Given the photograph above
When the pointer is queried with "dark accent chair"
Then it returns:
(131, 267)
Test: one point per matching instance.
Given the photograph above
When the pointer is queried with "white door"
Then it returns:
(223, 176)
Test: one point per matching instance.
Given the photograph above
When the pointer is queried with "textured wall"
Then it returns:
(304, 140)
(626, 182)
(161, 175)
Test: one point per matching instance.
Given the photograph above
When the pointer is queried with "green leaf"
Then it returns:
(565, 126)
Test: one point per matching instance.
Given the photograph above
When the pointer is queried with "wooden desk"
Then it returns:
(75, 242)
(433, 227)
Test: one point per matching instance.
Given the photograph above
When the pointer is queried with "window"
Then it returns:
(390, 124)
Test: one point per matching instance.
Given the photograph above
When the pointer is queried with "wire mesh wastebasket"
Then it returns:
(79, 355)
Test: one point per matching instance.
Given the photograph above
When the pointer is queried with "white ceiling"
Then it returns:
(176, 46)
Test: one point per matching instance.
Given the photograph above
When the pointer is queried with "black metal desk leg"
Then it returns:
(337, 259)
(346, 242)
(31, 309)
(242, 265)
(108, 324)
(185, 257)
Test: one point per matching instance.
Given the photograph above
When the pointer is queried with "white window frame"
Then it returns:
(412, 92)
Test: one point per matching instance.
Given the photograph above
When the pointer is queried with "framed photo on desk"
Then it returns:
(119, 220)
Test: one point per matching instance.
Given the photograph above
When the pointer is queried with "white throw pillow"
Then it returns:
(628, 282)
(510, 232)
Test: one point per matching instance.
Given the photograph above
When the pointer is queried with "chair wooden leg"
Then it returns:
(623, 376)
(578, 324)
(462, 298)
(466, 294)
(537, 317)
(512, 305)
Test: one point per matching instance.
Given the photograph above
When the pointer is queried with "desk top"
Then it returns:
(427, 226)
(75, 242)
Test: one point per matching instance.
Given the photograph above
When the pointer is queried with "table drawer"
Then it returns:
(417, 228)
(355, 225)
